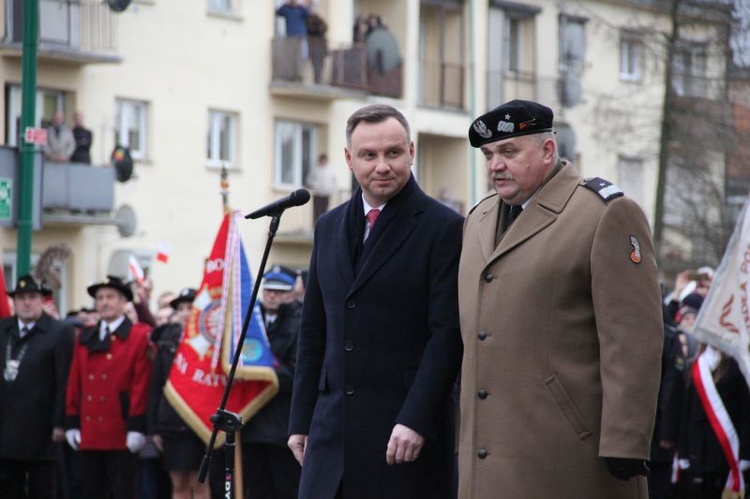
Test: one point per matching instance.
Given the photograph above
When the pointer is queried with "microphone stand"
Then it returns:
(227, 421)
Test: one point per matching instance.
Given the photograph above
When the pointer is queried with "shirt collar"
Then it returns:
(367, 207)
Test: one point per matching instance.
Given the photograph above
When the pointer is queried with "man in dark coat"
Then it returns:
(380, 348)
(35, 353)
(270, 470)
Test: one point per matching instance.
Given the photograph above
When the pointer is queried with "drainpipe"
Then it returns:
(28, 114)
(472, 106)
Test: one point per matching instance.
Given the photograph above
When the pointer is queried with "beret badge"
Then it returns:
(482, 129)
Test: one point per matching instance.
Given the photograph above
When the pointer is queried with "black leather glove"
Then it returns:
(625, 469)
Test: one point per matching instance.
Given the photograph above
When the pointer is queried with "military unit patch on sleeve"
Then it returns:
(607, 190)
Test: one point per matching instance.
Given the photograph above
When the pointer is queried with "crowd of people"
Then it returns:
(524, 350)
(82, 408)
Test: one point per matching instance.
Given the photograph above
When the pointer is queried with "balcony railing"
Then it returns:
(78, 187)
(75, 30)
(294, 61)
(442, 84)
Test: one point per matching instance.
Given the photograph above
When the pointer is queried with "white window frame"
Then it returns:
(216, 125)
(223, 6)
(631, 58)
(631, 178)
(13, 111)
(513, 53)
(132, 115)
(291, 176)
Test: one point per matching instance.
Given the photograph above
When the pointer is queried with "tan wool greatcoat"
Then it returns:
(562, 331)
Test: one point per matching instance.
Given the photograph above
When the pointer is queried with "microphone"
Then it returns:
(297, 198)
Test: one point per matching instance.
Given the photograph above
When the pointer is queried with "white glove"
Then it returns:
(135, 441)
(73, 437)
(683, 463)
(744, 465)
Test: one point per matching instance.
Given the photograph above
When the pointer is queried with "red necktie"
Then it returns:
(372, 216)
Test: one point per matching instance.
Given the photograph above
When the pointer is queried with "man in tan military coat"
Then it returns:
(561, 322)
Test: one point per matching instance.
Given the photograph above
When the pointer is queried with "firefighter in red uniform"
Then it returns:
(105, 405)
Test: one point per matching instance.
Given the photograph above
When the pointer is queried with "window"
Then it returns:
(689, 67)
(513, 45)
(47, 101)
(222, 139)
(630, 178)
(294, 153)
(224, 6)
(572, 43)
(631, 55)
(130, 127)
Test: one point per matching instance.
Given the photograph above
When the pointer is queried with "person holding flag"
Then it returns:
(269, 467)
(723, 323)
(198, 376)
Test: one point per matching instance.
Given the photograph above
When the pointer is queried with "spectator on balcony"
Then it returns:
(316, 39)
(60, 140)
(295, 16)
(83, 138)
(322, 181)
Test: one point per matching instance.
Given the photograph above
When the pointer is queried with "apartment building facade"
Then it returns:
(197, 88)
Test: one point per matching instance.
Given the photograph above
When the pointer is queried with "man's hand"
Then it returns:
(298, 444)
(158, 442)
(404, 445)
(73, 437)
(135, 441)
(625, 469)
(58, 434)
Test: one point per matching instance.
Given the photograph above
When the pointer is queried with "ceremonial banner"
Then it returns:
(198, 376)
(724, 321)
(4, 307)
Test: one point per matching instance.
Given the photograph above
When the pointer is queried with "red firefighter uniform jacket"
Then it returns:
(108, 385)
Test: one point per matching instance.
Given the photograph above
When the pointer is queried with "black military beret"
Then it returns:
(512, 119)
(187, 295)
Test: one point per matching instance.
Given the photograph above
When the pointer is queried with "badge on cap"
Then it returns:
(482, 129)
(635, 255)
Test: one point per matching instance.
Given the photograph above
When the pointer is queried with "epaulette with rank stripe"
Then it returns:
(607, 190)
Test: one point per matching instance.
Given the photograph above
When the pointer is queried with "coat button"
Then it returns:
(348, 346)
(89, 398)
(104, 377)
(351, 304)
(482, 335)
(91, 376)
(349, 389)
(481, 454)
(482, 394)
(488, 277)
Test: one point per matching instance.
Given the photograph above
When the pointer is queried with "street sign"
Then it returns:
(36, 136)
(6, 206)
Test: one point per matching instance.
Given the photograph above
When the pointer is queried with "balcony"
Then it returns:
(346, 72)
(74, 31)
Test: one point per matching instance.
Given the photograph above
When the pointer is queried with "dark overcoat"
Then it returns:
(379, 346)
(33, 404)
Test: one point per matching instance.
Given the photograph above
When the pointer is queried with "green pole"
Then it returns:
(28, 115)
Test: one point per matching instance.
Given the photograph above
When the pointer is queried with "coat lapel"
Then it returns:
(396, 225)
(543, 210)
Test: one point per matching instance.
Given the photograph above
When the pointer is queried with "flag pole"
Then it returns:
(224, 420)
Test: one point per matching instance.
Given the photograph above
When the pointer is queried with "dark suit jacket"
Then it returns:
(34, 403)
(379, 346)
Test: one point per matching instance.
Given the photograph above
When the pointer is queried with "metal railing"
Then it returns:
(73, 25)
(294, 60)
